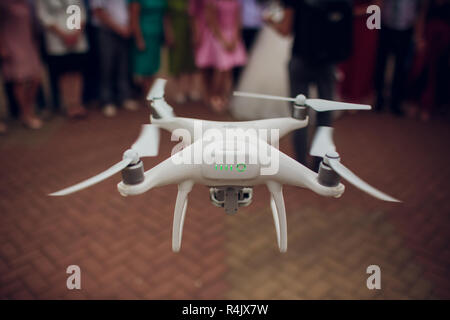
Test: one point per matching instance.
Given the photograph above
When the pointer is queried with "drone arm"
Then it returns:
(172, 125)
(284, 125)
(294, 173)
(175, 125)
(279, 213)
(163, 174)
(179, 213)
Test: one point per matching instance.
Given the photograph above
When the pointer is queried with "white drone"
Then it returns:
(230, 188)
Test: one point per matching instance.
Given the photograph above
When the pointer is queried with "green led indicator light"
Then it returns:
(241, 167)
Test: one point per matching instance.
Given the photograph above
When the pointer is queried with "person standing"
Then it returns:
(202, 39)
(112, 19)
(358, 71)
(251, 25)
(66, 51)
(226, 49)
(436, 55)
(315, 52)
(19, 57)
(398, 20)
(251, 21)
(147, 27)
(181, 52)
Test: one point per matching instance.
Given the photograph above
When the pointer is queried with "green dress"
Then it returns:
(147, 62)
(181, 55)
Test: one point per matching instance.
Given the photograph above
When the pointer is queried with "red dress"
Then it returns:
(358, 70)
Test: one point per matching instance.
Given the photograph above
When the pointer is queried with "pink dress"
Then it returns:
(21, 61)
(211, 53)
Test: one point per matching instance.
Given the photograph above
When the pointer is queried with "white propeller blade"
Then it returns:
(357, 182)
(156, 95)
(317, 104)
(322, 142)
(163, 110)
(261, 96)
(146, 145)
(327, 105)
(96, 179)
(157, 90)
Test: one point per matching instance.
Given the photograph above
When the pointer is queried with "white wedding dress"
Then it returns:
(266, 72)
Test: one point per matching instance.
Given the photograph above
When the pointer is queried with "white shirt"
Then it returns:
(116, 9)
(54, 13)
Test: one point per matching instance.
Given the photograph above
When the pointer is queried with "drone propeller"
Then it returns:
(145, 146)
(323, 146)
(317, 104)
(156, 95)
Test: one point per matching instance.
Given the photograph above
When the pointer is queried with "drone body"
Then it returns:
(230, 158)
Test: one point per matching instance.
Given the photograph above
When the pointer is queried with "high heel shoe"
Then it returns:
(32, 123)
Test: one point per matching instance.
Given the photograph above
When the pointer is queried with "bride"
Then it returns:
(266, 72)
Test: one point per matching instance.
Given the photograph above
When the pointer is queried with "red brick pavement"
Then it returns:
(123, 244)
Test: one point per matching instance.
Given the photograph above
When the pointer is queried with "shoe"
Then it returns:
(425, 116)
(110, 110)
(77, 112)
(397, 112)
(412, 112)
(180, 98)
(195, 96)
(217, 104)
(130, 105)
(379, 104)
(378, 108)
(32, 122)
(3, 128)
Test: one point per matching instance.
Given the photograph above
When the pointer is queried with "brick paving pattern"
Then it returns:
(123, 245)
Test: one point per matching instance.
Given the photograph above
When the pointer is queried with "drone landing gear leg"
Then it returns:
(180, 212)
(279, 213)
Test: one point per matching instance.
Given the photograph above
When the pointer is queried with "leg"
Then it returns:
(248, 37)
(207, 84)
(107, 55)
(180, 95)
(401, 49)
(71, 87)
(437, 55)
(217, 91)
(326, 83)
(226, 87)
(194, 86)
(123, 76)
(25, 95)
(380, 67)
(299, 82)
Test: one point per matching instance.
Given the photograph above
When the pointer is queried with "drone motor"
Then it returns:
(133, 174)
(327, 176)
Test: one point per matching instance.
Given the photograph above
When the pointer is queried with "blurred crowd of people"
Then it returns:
(115, 55)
